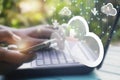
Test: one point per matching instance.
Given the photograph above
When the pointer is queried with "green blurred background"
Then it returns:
(26, 13)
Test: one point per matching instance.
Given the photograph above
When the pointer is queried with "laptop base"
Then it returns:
(58, 71)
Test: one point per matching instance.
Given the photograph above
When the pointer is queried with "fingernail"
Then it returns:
(16, 38)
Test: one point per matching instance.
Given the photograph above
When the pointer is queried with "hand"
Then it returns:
(11, 59)
(33, 35)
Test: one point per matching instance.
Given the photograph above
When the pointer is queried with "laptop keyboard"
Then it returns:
(53, 56)
(56, 58)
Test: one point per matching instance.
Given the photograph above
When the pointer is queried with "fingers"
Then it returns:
(14, 57)
(29, 42)
(41, 32)
(8, 36)
(36, 41)
(46, 32)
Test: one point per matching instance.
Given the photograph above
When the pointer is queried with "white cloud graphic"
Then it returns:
(108, 9)
(90, 51)
(65, 11)
(84, 46)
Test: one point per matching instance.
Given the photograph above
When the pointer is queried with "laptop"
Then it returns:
(100, 20)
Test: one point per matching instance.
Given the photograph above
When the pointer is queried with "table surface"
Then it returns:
(109, 71)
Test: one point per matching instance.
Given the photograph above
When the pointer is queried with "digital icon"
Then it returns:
(55, 24)
(109, 10)
(94, 11)
(65, 11)
(85, 46)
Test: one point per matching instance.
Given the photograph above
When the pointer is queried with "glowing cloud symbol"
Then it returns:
(108, 9)
(65, 11)
(91, 40)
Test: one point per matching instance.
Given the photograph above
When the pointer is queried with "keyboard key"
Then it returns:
(61, 57)
(68, 55)
(46, 57)
(39, 62)
(39, 56)
(55, 61)
(53, 57)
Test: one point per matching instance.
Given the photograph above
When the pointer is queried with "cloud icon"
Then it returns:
(108, 9)
(87, 47)
(65, 11)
